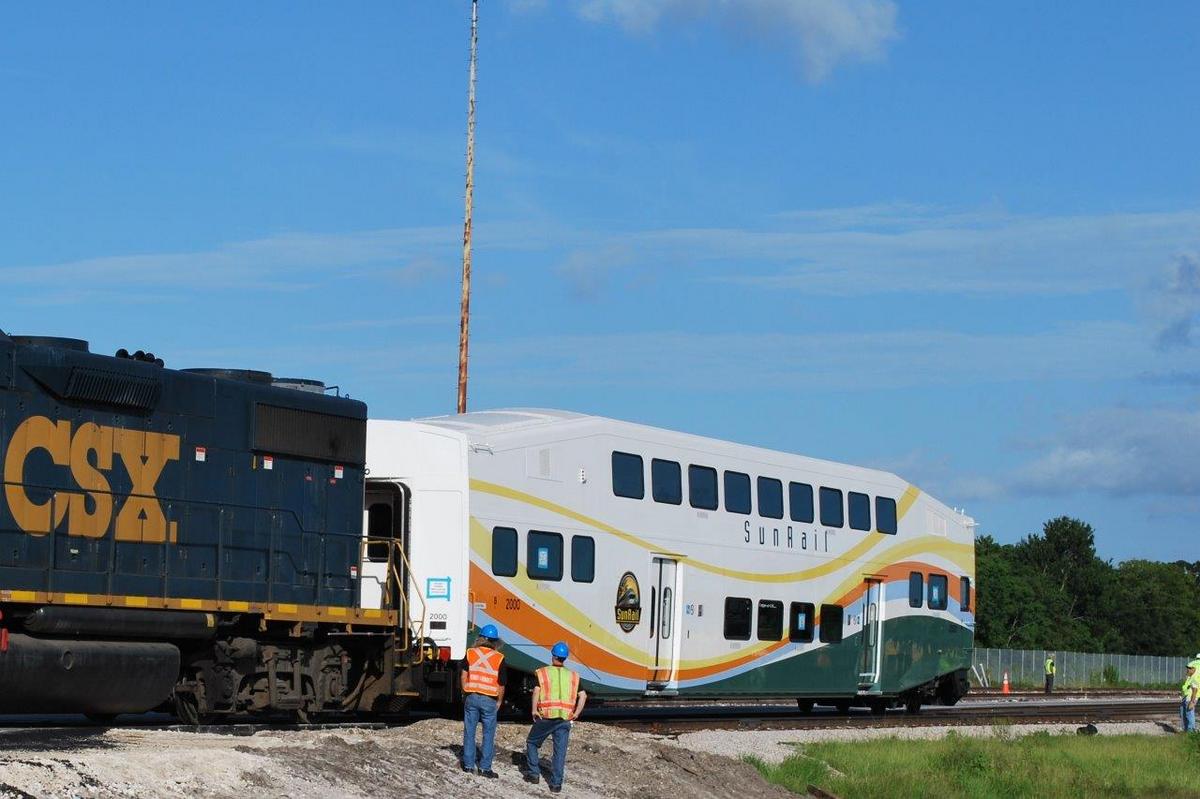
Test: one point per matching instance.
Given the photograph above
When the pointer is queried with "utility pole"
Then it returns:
(464, 324)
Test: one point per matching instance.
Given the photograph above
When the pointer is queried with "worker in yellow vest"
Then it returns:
(557, 701)
(1188, 693)
(1051, 670)
(482, 679)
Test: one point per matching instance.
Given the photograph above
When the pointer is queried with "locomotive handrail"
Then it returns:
(399, 547)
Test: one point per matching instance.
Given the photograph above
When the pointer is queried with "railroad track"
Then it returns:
(1078, 712)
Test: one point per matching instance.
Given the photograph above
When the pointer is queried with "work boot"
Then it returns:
(491, 775)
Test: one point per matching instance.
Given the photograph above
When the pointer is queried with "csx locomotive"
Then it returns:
(189, 539)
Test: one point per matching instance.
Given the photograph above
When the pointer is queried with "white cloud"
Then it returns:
(903, 248)
(1176, 302)
(1120, 451)
(820, 33)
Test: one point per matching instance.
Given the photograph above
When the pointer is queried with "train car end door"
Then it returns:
(664, 624)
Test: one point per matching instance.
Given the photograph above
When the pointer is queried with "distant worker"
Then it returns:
(557, 701)
(483, 679)
(1050, 671)
(1187, 697)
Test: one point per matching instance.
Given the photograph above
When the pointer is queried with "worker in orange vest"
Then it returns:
(557, 701)
(483, 679)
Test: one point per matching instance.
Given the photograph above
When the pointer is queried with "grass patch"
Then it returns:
(1039, 765)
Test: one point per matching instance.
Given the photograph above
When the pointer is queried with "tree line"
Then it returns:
(1051, 591)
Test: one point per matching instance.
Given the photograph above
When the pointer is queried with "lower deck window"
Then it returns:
(800, 623)
(737, 618)
(937, 591)
(916, 589)
(770, 620)
(831, 624)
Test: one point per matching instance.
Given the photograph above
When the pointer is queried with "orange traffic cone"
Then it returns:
(1004, 689)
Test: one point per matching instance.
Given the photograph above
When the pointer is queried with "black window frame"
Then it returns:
(775, 486)
(707, 471)
(809, 611)
(916, 589)
(725, 482)
(673, 470)
(944, 581)
(832, 634)
(774, 607)
(641, 471)
(864, 503)
(516, 549)
(793, 488)
(964, 596)
(826, 491)
(577, 540)
(885, 510)
(749, 609)
(553, 575)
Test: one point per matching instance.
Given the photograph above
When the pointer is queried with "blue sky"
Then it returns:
(955, 240)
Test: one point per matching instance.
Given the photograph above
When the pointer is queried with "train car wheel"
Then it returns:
(187, 710)
(806, 705)
(913, 705)
(843, 706)
(878, 707)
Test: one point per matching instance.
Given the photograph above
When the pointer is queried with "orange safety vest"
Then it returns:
(558, 695)
(483, 671)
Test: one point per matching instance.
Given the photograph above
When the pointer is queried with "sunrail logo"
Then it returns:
(90, 452)
(629, 602)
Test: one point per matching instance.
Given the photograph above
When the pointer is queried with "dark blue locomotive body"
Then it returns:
(196, 533)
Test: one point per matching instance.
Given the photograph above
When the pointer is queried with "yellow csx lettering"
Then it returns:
(89, 454)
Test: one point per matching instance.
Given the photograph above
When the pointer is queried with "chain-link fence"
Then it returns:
(1027, 667)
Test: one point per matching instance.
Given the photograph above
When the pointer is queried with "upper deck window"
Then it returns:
(666, 481)
(702, 487)
(770, 498)
(885, 515)
(737, 492)
(628, 475)
(860, 511)
(832, 512)
(800, 502)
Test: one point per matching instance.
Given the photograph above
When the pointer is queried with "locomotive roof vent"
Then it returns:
(300, 384)
(241, 375)
(77, 344)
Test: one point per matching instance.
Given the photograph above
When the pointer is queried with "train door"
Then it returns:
(385, 521)
(664, 621)
(872, 637)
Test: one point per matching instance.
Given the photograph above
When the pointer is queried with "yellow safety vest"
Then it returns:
(1050, 667)
(483, 672)
(1185, 690)
(559, 690)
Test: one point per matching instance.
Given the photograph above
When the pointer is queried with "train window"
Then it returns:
(831, 624)
(800, 502)
(832, 513)
(937, 591)
(737, 618)
(885, 515)
(860, 511)
(737, 492)
(770, 498)
(916, 589)
(504, 552)
(379, 531)
(964, 584)
(627, 476)
(770, 620)
(800, 625)
(583, 558)
(666, 481)
(702, 487)
(544, 556)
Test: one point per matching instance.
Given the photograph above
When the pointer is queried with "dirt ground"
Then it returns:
(420, 760)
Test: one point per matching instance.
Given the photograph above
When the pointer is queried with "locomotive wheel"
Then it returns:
(186, 709)
(806, 705)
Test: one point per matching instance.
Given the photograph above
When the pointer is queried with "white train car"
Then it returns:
(674, 564)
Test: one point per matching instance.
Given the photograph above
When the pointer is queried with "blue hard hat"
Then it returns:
(560, 651)
(490, 631)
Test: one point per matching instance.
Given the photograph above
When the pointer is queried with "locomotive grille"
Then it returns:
(110, 388)
(310, 434)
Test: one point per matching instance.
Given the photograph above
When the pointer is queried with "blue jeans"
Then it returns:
(542, 729)
(477, 708)
(1188, 717)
